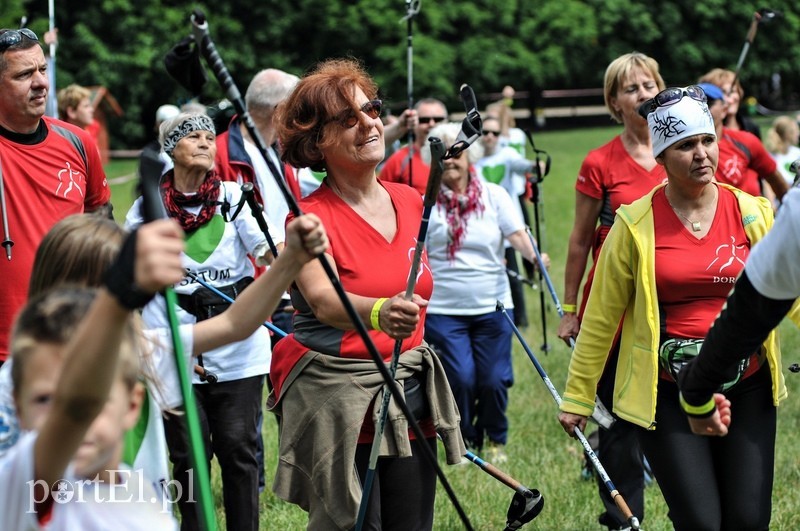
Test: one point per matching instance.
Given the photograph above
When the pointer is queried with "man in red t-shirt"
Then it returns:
(50, 169)
(743, 160)
(396, 168)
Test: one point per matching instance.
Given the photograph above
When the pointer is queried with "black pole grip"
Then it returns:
(150, 169)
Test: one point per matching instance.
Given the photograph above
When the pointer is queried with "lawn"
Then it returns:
(541, 456)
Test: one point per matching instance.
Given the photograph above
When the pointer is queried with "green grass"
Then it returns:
(541, 456)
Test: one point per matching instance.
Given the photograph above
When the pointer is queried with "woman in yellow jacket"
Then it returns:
(665, 271)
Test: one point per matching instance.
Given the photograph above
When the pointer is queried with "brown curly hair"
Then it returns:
(323, 96)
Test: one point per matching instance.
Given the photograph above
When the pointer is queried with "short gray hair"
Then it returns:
(447, 132)
(268, 88)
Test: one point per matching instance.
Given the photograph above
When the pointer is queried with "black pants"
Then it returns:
(228, 413)
(716, 482)
(403, 490)
(621, 456)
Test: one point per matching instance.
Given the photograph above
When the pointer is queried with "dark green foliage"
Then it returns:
(531, 44)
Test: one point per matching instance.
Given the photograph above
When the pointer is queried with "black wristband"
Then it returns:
(119, 277)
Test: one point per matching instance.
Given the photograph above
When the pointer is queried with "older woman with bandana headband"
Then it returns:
(665, 271)
(218, 244)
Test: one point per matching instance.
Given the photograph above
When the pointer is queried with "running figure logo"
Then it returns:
(732, 170)
(730, 253)
(69, 174)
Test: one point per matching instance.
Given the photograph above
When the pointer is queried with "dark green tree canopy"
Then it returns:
(532, 45)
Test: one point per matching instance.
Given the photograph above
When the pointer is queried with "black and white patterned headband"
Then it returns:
(195, 122)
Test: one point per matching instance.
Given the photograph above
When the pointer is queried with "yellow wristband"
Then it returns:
(375, 314)
(569, 308)
(697, 411)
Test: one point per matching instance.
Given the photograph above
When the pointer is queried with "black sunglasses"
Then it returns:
(13, 37)
(434, 119)
(671, 96)
(372, 109)
(493, 133)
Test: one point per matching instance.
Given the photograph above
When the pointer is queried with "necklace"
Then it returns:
(696, 225)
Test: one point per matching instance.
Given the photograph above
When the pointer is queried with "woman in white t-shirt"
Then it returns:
(468, 226)
(781, 142)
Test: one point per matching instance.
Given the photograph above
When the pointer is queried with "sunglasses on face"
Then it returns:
(493, 133)
(13, 37)
(372, 109)
(671, 96)
(428, 119)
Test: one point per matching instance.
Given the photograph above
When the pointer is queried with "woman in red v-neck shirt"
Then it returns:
(325, 383)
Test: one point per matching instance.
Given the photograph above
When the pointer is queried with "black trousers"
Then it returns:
(403, 490)
(228, 419)
(716, 482)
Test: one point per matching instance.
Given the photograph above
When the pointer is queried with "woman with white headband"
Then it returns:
(665, 271)
(219, 239)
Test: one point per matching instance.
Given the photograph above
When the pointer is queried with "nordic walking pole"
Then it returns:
(431, 192)
(153, 208)
(438, 156)
(209, 51)
(526, 503)
(587, 448)
(412, 9)
(269, 326)
(538, 176)
(8, 243)
(600, 415)
(762, 15)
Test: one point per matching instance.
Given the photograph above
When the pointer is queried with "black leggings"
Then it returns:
(713, 483)
(403, 490)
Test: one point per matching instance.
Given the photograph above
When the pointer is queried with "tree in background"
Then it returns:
(530, 44)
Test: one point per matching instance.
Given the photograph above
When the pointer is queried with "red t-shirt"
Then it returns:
(694, 276)
(743, 160)
(368, 265)
(609, 173)
(396, 169)
(44, 183)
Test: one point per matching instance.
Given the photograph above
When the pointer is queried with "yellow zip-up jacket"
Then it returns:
(625, 284)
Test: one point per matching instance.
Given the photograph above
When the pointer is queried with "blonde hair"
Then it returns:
(77, 250)
(779, 137)
(71, 96)
(619, 69)
(721, 77)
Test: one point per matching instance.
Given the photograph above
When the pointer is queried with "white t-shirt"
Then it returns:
(79, 505)
(784, 161)
(218, 252)
(773, 266)
(474, 282)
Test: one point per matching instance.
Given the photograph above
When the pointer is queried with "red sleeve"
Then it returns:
(761, 160)
(97, 191)
(590, 177)
(392, 168)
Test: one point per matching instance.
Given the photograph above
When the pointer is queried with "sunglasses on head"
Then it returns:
(671, 96)
(13, 37)
(372, 109)
(434, 119)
